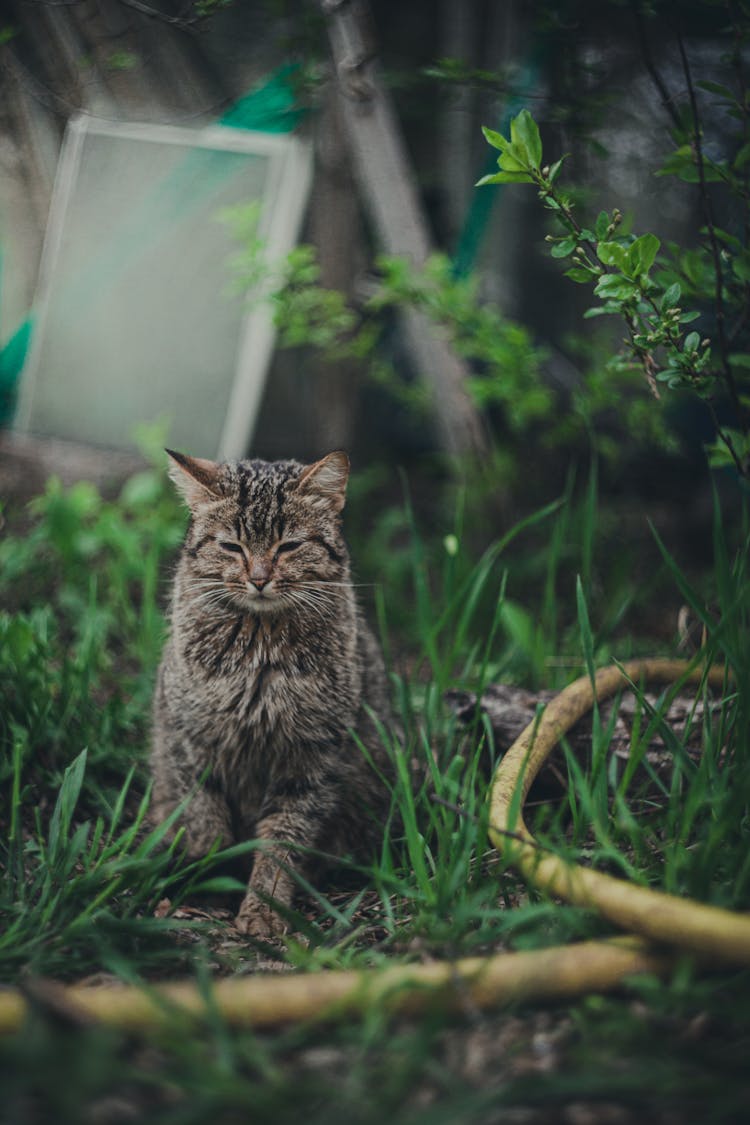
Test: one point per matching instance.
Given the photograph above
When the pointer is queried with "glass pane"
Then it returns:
(138, 320)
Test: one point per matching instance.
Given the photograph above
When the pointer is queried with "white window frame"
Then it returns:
(282, 211)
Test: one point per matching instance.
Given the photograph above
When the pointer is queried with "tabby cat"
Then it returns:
(270, 677)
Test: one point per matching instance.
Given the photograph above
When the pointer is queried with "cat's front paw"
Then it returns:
(257, 919)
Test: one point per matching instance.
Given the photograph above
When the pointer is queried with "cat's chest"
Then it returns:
(268, 693)
(274, 690)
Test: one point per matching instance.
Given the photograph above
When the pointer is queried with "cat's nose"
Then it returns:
(260, 573)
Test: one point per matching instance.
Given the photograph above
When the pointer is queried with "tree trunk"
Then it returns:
(387, 184)
(336, 232)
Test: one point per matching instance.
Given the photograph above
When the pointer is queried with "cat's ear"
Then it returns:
(326, 480)
(196, 478)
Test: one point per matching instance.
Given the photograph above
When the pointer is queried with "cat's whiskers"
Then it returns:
(305, 598)
(346, 585)
(315, 592)
(207, 605)
(203, 584)
(301, 594)
(208, 594)
(321, 593)
(332, 588)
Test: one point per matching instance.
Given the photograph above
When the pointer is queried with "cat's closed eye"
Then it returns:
(289, 545)
(229, 546)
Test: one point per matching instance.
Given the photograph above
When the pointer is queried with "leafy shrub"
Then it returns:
(644, 288)
(79, 648)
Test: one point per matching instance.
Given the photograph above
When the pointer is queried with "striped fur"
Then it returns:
(268, 669)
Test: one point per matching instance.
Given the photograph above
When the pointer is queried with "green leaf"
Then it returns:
(505, 178)
(719, 453)
(581, 275)
(602, 226)
(642, 253)
(680, 163)
(634, 260)
(717, 88)
(613, 254)
(512, 160)
(524, 131)
(555, 168)
(740, 359)
(741, 266)
(141, 490)
(67, 798)
(683, 164)
(562, 248)
(692, 340)
(220, 884)
(724, 236)
(742, 156)
(617, 288)
(497, 140)
(519, 624)
(584, 625)
(671, 296)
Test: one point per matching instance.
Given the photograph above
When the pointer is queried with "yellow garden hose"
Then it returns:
(272, 1000)
(481, 982)
(679, 923)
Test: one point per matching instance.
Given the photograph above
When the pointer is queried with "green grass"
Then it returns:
(85, 877)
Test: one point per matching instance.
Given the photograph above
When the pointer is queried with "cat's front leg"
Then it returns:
(257, 915)
(297, 825)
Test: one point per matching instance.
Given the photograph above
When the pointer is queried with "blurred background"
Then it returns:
(254, 228)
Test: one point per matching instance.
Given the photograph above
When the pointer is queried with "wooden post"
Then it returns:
(388, 190)
(335, 229)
